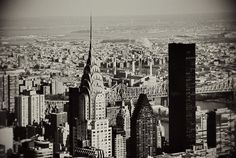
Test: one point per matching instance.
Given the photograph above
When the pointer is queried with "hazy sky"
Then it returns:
(38, 8)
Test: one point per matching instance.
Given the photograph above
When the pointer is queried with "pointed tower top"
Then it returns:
(90, 41)
(91, 29)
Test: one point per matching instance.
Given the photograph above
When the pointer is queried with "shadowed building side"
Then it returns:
(72, 114)
(211, 129)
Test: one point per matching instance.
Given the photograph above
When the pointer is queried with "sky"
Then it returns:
(44, 8)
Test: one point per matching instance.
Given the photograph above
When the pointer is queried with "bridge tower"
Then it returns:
(133, 65)
(150, 65)
(114, 65)
(140, 64)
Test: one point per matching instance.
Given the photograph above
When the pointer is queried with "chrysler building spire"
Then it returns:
(90, 41)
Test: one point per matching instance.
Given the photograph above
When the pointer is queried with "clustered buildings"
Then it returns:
(42, 117)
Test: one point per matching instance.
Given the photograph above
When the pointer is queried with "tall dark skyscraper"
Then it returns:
(182, 132)
(143, 130)
(211, 129)
(72, 114)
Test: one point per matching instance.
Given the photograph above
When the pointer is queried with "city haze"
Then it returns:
(45, 8)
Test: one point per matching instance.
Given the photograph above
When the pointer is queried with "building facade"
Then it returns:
(57, 87)
(211, 129)
(123, 119)
(30, 108)
(36, 107)
(22, 110)
(182, 121)
(119, 143)
(112, 114)
(143, 130)
(9, 89)
(201, 126)
(6, 138)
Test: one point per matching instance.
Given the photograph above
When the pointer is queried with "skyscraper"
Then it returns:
(119, 143)
(22, 110)
(211, 129)
(143, 130)
(36, 107)
(13, 90)
(58, 119)
(182, 107)
(30, 108)
(88, 123)
(72, 115)
(3, 91)
(59, 130)
(9, 89)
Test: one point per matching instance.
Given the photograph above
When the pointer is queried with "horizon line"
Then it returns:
(224, 13)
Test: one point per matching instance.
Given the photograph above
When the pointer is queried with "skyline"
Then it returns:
(143, 79)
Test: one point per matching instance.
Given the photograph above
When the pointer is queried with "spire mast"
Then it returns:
(91, 31)
(90, 41)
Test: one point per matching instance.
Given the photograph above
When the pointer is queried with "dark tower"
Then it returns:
(211, 129)
(143, 130)
(72, 114)
(182, 132)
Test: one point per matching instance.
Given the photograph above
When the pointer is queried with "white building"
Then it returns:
(120, 145)
(36, 107)
(22, 110)
(57, 87)
(30, 108)
(6, 138)
(101, 136)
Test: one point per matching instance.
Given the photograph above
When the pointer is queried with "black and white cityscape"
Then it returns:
(117, 79)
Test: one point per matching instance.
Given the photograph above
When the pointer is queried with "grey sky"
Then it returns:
(38, 8)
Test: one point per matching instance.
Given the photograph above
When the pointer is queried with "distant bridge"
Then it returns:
(161, 90)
